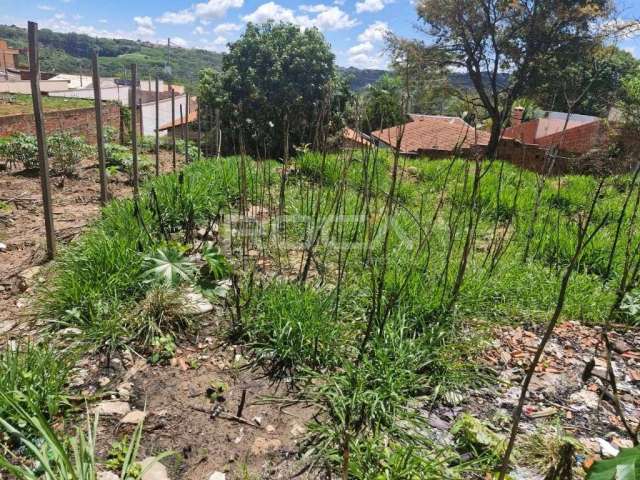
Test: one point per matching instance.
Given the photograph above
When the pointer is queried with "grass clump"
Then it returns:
(32, 377)
(290, 328)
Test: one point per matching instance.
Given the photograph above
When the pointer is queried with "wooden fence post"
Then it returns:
(43, 156)
(97, 100)
(186, 130)
(141, 126)
(157, 126)
(218, 133)
(173, 126)
(134, 139)
(199, 131)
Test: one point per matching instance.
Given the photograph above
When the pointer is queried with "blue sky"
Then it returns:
(355, 28)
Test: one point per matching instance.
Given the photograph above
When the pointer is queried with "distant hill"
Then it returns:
(360, 78)
(71, 53)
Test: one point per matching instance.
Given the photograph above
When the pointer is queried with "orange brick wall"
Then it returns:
(80, 122)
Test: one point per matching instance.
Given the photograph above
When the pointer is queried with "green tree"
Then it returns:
(599, 75)
(384, 104)
(491, 37)
(274, 86)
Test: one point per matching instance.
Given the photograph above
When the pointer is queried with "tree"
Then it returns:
(491, 37)
(276, 82)
(601, 74)
(383, 104)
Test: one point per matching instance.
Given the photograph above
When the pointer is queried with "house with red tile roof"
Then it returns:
(432, 135)
(570, 133)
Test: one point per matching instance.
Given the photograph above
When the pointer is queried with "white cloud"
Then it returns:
(216, 8)
(198, 30)
(369, 53)
(375, 32)
(145, 26)
(371, 5)
(177, 18)
(200, 11)
(225, 28)
(328, 17)
(180, 42)
(46, 8)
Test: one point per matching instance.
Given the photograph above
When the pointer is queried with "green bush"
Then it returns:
(20, 148)
(66, 152)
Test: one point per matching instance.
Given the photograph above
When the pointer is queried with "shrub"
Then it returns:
(21, 148)
(66, 152)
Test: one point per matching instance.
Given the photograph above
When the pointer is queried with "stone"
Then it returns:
(153, 470)
(621, 346)
(270, 429)
(124, 390)
(134, 417)
(197, 304)
(7, 326)
(3, 247)
(28, 277)
(104, 381)
(217, 476)
(70, 331)
(257, 420)
(584, 400)
(262, 446)
(112, 408)
(116, 364)
(107, 476)
(606, 449)
(298, 430)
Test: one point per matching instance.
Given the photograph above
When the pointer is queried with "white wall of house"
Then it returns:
(149, 113)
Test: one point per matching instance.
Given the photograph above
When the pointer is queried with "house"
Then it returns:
(180, 124)
(435, 136)
(353, 139)
(8, 57)
(572, 134)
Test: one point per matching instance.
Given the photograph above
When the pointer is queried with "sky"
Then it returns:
(354, 28)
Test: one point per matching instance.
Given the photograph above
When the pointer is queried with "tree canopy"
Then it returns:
(521, 37)
(276, 81)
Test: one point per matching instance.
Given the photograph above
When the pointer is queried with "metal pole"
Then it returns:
(173, 126)
(186, 130)
(134, 139)
(43, 158)
(97, 100)
(157, 127)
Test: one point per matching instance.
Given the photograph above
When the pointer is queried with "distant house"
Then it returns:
(8, 57)
(435, 136)
(354, 139)
(571, 134)
(180, 124)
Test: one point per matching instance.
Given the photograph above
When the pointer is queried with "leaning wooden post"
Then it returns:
(199, 130)
(97, 100)
(186, 129)
(43, 157)
(218, 133)
(134, 138)
(141, 126)
(173, 126)
(182, 122)
(157, 126)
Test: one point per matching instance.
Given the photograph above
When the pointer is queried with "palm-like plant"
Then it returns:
(169, 266)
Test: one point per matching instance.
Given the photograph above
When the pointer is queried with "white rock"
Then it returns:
(197, 303)
(217, 476)
(3, 247)
(584, 399)
(606, 449)
(7, 326)
(104, 381)
(124, 391)
(134, 417)
(69, 331)
(112, 407)
(298, 430)
(107, 476)
(153, 470)
(257, 420)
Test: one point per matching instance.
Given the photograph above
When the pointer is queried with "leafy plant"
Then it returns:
(625, 466)
(217, 266)
(20, 148)
(119, 456)
(66, 152)
(61, 459)
(168, 265)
